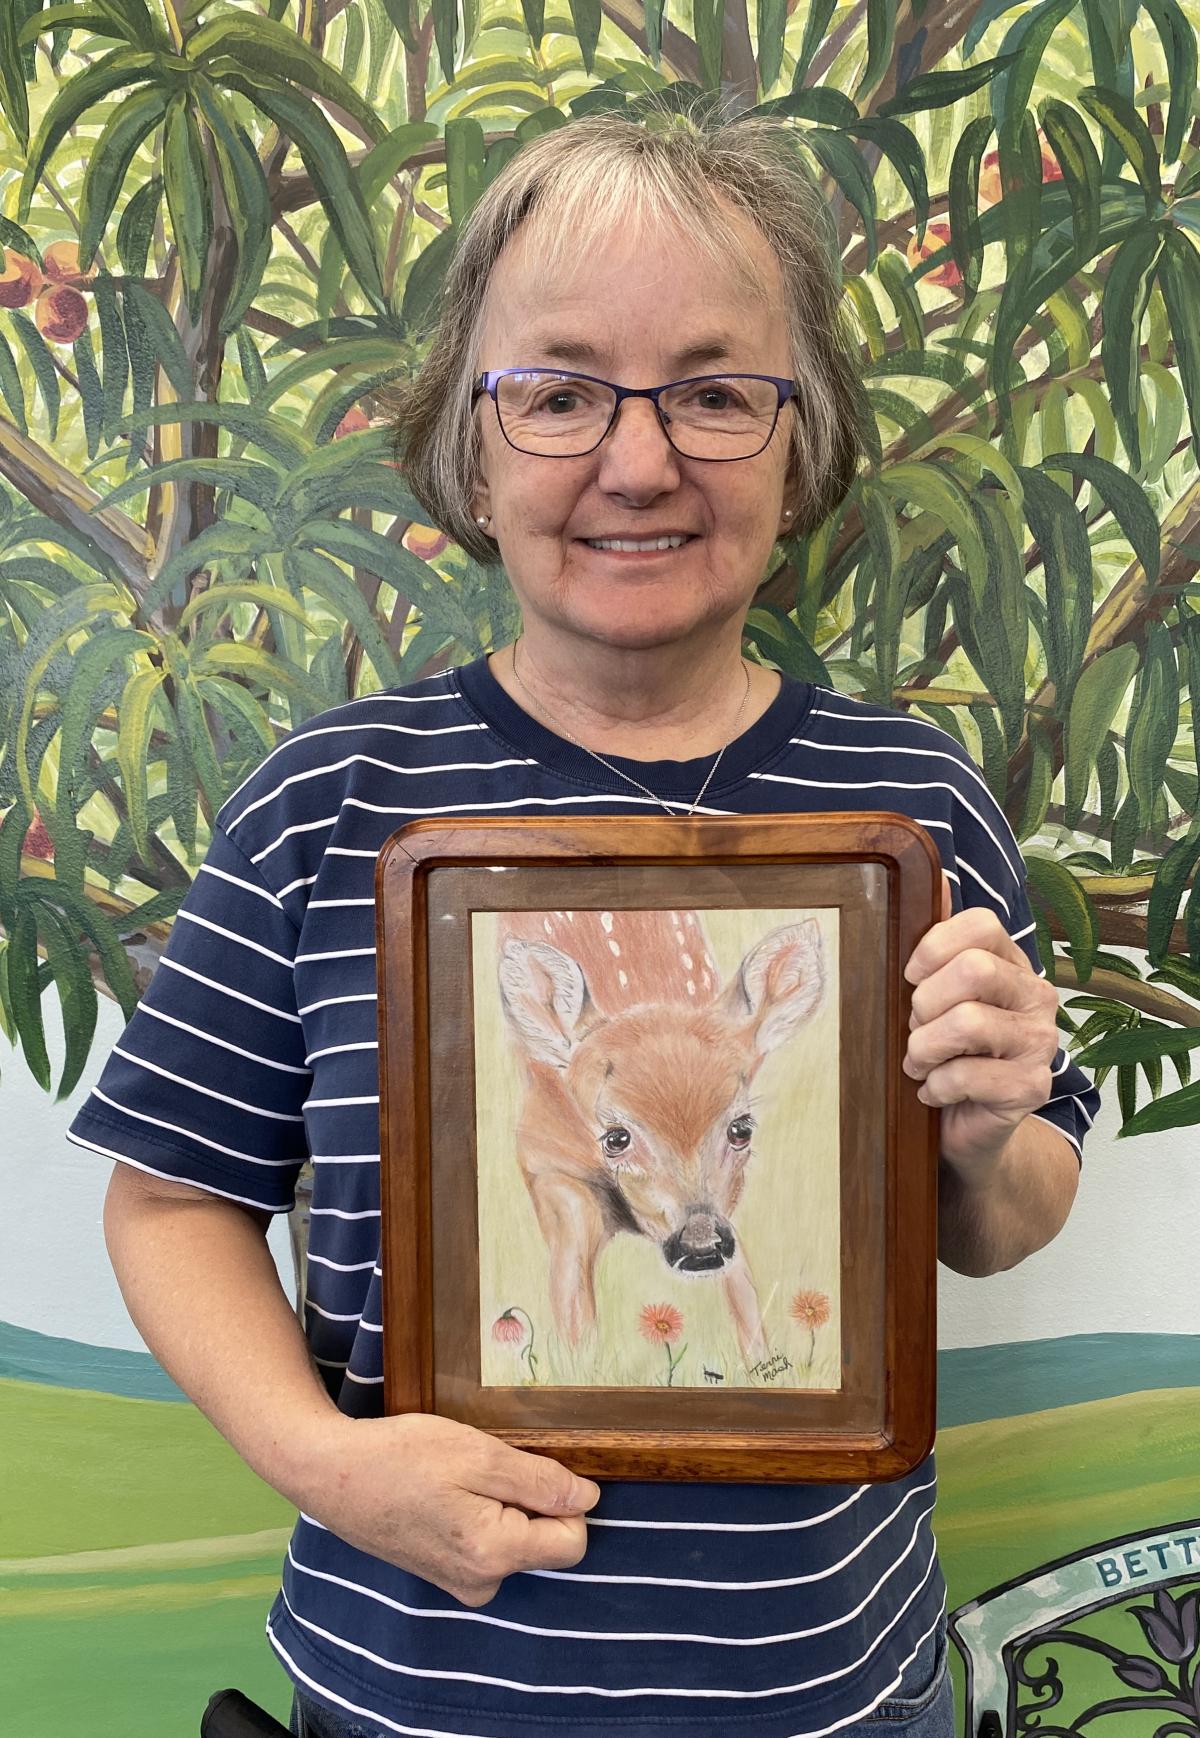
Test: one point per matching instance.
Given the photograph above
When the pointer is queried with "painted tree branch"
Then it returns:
(1147, 998)
(58, 493)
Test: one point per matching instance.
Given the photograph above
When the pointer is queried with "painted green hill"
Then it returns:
(116, 1626)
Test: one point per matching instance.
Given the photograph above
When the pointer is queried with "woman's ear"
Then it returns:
(789, 507)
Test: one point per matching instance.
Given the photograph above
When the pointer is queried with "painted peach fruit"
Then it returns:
(353, 422)
(61, 314)
(61, 262)
(20, 280)
(991, 189)
(38, 842)
(937, 236)
(425, 541)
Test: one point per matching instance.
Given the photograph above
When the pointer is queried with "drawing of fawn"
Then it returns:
(637, 1067)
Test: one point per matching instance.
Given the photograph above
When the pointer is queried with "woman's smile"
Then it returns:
(632, 551)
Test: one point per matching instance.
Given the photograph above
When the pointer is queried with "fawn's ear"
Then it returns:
(780, 983)
(545, 995)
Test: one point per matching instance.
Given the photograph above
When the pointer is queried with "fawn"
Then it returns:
(637, 1067)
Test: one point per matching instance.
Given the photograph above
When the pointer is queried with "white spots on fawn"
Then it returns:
(623, 980)
(570, 917)
(691, 988)
(606, 922)
(679, 937)
(693, 920)
(616, 948)
(546, 926)
(687, 961)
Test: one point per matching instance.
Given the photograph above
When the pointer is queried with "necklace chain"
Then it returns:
(645, 789)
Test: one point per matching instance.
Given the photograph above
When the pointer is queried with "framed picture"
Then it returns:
(657, 1196)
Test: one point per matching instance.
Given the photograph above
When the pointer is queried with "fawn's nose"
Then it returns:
(703, 1242)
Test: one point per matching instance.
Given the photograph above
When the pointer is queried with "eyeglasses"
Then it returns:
(553, 415)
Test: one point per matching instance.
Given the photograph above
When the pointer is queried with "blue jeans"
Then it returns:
(922, 1708)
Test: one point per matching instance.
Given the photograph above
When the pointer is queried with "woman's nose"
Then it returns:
(636, 454)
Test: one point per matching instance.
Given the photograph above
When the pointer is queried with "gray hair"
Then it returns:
(578, 182)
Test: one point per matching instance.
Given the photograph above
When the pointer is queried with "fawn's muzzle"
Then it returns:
(702, 1243)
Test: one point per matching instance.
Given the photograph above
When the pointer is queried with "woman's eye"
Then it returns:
(739, 1131)
(616, 1141)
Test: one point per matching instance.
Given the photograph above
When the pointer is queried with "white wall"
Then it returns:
(54, 1270)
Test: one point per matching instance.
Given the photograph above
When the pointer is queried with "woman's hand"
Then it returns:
(983, 1032)
(447, 1502)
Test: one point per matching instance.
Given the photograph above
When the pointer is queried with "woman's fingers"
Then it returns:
(450, 1503)
(1009, 1090)
(542, 1542)
(977, 1029)
(498, 1539)
(981, 975)
(973, 928)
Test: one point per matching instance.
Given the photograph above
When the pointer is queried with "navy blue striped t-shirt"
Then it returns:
(778, 1611)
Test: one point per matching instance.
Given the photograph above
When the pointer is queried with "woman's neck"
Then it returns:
(661, 704)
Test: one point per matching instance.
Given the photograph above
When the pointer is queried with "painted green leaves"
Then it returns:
(181, 100)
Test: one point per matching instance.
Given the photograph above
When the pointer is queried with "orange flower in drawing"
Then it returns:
(810, 1309)
(661, 1324)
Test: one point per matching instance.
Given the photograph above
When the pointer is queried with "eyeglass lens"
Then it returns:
(721, 416)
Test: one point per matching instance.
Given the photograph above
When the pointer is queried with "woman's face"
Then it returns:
(639, 309)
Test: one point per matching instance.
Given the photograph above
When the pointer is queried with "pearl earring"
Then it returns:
(482, 521)
(787, 512)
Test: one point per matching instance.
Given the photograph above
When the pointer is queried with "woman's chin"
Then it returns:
(641, 609)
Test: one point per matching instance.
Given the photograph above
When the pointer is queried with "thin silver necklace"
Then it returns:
(645, 789)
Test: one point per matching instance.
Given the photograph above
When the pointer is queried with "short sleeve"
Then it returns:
(989, 871)
(206, 1085)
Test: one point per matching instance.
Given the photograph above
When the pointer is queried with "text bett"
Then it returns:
(1127, 1567)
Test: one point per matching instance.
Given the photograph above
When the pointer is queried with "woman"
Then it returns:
(439, 1582)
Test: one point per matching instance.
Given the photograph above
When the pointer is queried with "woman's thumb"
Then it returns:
(534, 1482)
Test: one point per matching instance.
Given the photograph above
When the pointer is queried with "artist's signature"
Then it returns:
(776, 1364)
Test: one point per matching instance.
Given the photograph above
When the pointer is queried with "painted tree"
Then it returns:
(224, 228)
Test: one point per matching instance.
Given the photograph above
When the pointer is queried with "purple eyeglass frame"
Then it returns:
(487, 381)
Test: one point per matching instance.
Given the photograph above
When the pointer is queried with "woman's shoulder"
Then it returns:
(389, 724)
(850, 720)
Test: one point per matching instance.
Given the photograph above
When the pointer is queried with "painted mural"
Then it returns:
(224, 226)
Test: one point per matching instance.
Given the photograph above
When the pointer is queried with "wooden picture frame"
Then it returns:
(509, 1100)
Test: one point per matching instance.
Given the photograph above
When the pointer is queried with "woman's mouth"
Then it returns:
(638, 545)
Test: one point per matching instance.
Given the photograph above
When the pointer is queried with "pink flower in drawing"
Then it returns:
(810, 1309)
(508, 1329)
(661, 1324)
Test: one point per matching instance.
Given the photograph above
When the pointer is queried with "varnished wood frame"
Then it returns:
(694, 1443)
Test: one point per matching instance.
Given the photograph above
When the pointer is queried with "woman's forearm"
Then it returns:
(435, 1497)
(992, 1216)
(201, 1286)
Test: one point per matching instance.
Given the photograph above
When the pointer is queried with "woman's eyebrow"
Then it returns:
(577, 352)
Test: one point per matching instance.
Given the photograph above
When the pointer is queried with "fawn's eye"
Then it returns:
(615, 1141)
(739, 1132)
